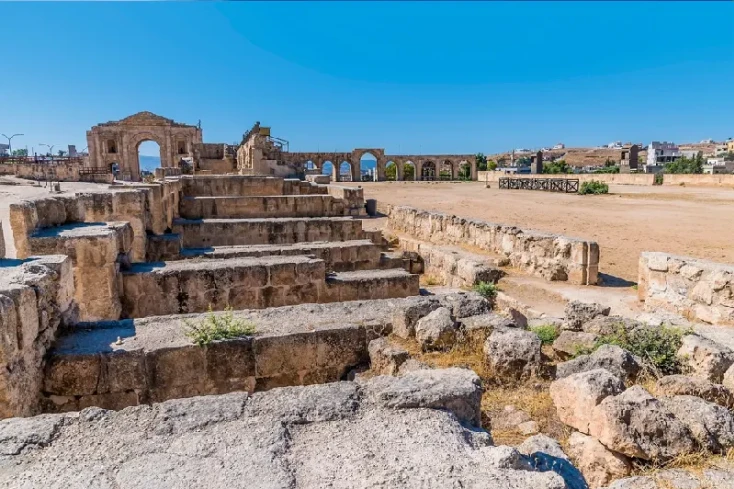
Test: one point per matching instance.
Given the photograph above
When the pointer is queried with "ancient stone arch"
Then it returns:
(118, 142)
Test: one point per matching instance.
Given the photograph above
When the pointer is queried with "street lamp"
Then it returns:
(50, 148)
(10, 148)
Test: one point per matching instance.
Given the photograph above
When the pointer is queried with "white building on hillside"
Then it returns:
(659, 153)
(559, 146)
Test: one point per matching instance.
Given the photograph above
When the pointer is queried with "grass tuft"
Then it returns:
(216, 327)
(546, 332)
(487, 290)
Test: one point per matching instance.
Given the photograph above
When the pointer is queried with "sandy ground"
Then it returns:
(688, 221)
(16, 189)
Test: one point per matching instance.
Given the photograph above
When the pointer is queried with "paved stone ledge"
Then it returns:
(340, 256)
(699, 290)
(245, 185)
(340, 435)
(454, 266)
(262, 207)
(154, 360)
(550, 256)
(202, 233)
(371, 284)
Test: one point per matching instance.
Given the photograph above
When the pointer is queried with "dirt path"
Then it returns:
(688, 221)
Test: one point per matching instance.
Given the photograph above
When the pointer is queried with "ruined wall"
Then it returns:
(223, 186)
(217, 166)
(171, 171)
(550, 256)
(613, 178)
(353, 196)
(35, 297)
(62, 172)
(697, 289)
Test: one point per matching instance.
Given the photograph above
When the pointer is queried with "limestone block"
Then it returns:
(575, 396)
(599, 465)
(385, 358)
(705, 357)
(683, 385)
(513, 353)
(72, 375)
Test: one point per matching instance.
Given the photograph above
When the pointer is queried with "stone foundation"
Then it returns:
(550, 256)
(35, 297)
(697, 289)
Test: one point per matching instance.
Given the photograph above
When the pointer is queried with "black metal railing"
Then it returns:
(567, 185)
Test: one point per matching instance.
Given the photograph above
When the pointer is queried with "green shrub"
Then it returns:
(217, 327)
(658, 179)
(656, 346)
(487, 290)
(594, 187)
(546, 332)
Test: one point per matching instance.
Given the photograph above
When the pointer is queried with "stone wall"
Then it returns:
(697, 289)
(222, 186)
(611, 178)
(62, 172)
(353, 196)
(35, 297)
(171, 171)
(261, 207)
(551, 256)
(219, 166)
(715, 180)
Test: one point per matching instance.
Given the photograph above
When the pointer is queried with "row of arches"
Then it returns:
(370, 170)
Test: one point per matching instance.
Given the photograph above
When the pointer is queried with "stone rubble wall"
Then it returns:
(222, 186)
(715, 180)
(35, 298)
(699, 290)
(161, 173)
(551, 256)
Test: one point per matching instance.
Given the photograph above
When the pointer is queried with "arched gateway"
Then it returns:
(118, 141)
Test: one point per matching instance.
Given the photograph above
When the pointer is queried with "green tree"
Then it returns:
(408, 172)
(491, 165)
(20, 152)
(481, 162)
(558, 166)
(61, 153)
(391, 172)
(729, 156)
(686, 165)
(464, 172)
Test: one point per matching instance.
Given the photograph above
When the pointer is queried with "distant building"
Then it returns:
(4, 148)
(707, 141)
(730, 145)
(718, 165)
(689, 153)
(660, 153)
(615, 145)
(72, 151)
(559, 146)
(629, 159)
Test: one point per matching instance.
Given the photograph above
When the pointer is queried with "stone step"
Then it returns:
(340, 256)
(188, 286)
(116, 364)
(261, 206)
(371, 284)
(243, 185)
(202, 233)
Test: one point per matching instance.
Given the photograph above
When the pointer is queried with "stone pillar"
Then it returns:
(536, 164)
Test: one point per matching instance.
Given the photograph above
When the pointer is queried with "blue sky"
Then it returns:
(410, 77)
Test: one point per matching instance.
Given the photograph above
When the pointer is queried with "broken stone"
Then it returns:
(571, 343)
(385, 358)
(705, 357)
(636, 424)
(711, 425)
(577, 313)
(436, 331)
(598, 464)
(513, 353)
(684, 385)
(616, 360)
(528, 428)
(576, 395)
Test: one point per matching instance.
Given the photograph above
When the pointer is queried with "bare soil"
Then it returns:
(695, 222)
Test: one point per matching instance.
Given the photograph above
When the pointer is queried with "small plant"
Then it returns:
(656, 346)
(546, 332)
(594, 187)
(487, 290)
(217, 327)
(430, 280)
(658, 179)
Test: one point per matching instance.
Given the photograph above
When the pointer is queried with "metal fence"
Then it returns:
(567, 185)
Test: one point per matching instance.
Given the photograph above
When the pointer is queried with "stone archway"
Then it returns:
(118, 141)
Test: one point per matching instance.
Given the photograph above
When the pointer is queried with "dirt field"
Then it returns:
(696, 222)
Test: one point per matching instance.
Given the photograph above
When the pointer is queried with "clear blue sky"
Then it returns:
(409, 77)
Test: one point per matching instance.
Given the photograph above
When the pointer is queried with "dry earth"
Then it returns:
(696, 222)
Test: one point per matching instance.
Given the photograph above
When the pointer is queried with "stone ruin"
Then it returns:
(103, 385)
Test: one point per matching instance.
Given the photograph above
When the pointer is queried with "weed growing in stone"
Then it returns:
(546, 332)
(656, 346)
(594, 187)
(486, 289)
(217, 327)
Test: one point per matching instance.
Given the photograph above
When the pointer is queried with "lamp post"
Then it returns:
(50, 148)
(10, 148)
